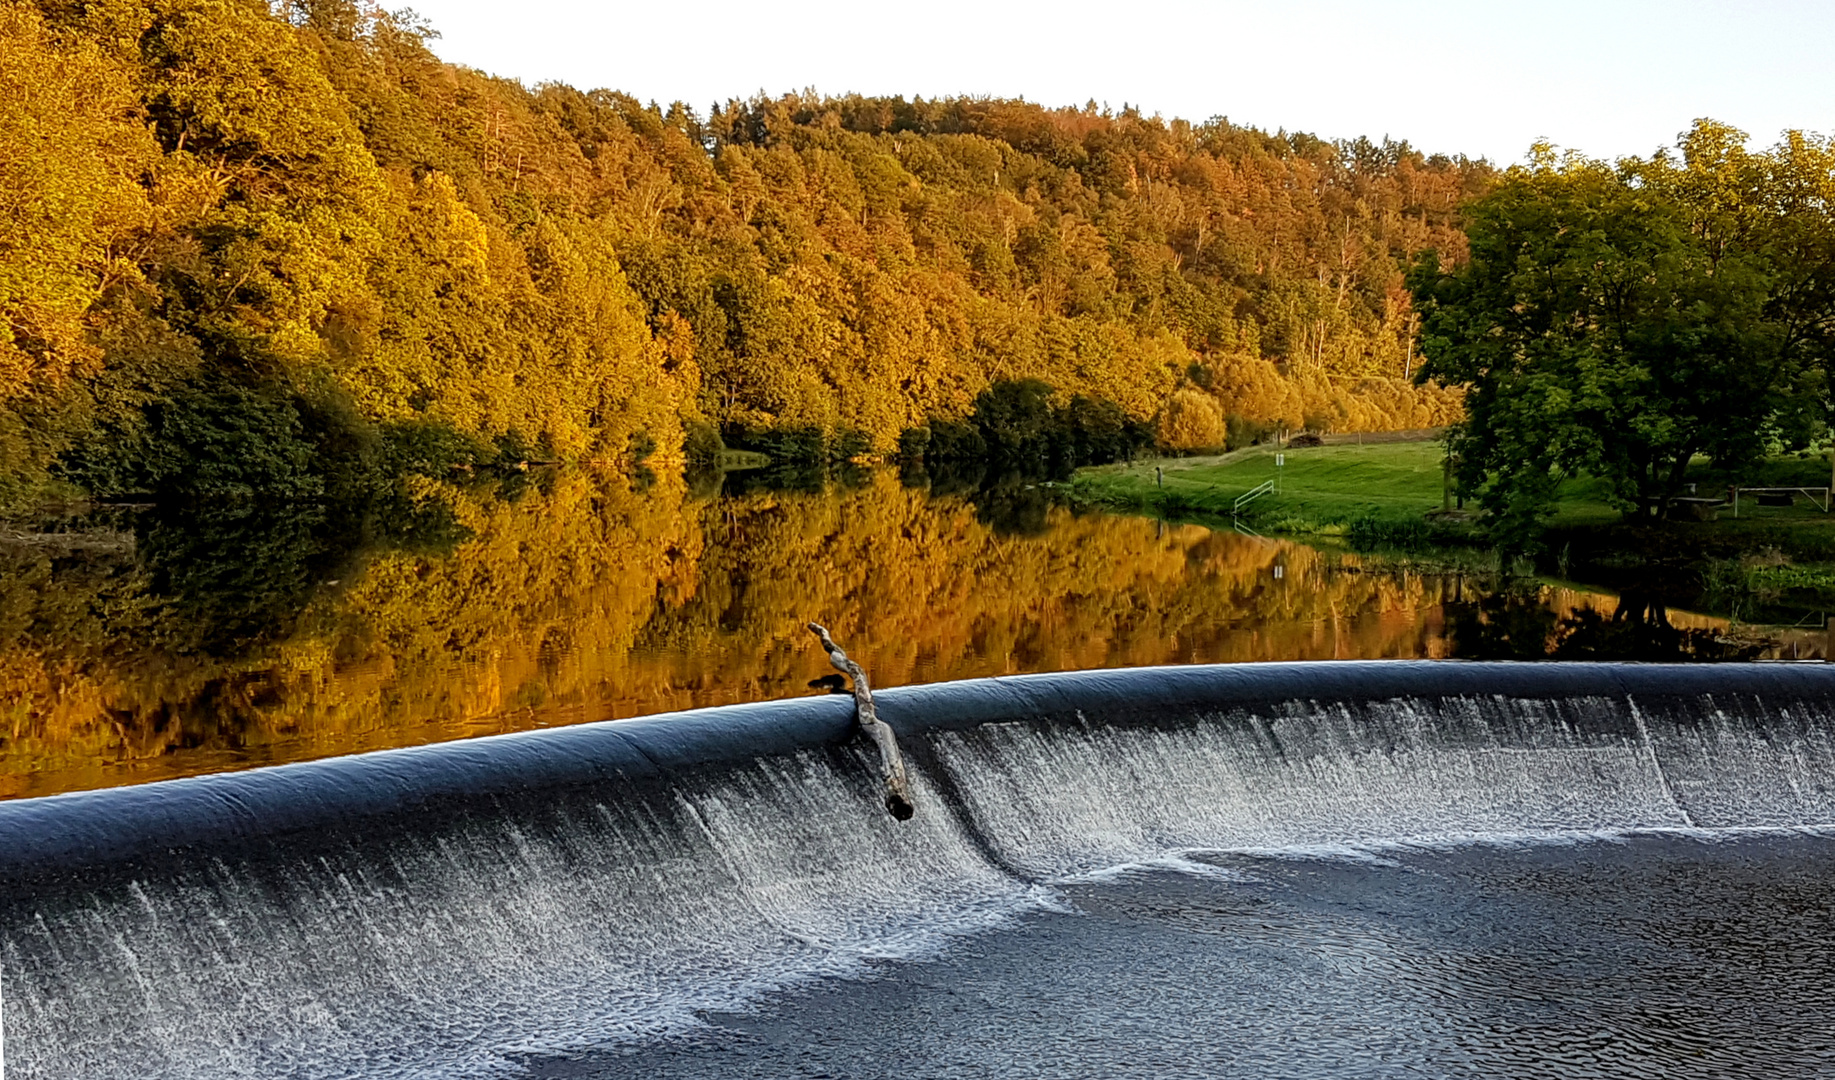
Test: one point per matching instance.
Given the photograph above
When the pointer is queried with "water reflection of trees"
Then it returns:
(222, 641)
(226, 581)
(1519, 624)
(1010, 501)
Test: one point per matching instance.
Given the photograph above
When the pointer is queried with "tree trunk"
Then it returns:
(1678, 469)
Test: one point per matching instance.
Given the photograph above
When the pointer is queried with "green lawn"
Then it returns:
(1773, 563)
(1394, 485)
(1319, 488)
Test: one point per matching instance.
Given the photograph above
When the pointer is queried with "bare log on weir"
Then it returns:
(891, 764)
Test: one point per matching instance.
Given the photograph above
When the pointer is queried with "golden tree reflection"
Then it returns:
(588, 600)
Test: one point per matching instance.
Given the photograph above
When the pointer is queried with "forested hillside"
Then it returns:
(289, 250)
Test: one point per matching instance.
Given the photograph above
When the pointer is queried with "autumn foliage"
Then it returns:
(586, 599)
(253, 249)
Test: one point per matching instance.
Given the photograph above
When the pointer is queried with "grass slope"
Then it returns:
(1320, 488)
(1772, 564)
(1382, 494)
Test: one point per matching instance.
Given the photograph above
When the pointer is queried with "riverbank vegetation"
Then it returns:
(1395, 494)
(286, 250)
(1621, 321)
(1768, 564)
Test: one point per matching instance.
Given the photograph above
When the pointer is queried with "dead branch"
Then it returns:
(891, 764)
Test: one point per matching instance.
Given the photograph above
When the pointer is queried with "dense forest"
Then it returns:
(286, 249)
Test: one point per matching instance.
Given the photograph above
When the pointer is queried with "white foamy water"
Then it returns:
(448, 958)
(534, 925)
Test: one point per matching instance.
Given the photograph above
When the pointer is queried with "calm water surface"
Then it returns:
(141, 645)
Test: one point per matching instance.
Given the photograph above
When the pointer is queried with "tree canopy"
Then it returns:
(1619, 320)
(296, 224)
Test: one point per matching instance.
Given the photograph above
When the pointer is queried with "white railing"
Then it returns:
(1250, 496)
(1820, 497)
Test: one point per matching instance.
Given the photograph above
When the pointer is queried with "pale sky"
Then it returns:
(1607, 77)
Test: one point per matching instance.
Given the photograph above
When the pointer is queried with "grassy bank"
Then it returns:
(1379, 492)
(1771, 563)
(1321, 487)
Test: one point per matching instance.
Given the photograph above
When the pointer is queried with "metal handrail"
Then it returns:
(1250, 496)
(1824, 504)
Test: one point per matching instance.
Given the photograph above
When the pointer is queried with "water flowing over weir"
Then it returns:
(446, 910)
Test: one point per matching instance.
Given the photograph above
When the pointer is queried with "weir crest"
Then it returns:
(446, 911)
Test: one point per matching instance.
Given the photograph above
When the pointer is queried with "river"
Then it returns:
(139, 644)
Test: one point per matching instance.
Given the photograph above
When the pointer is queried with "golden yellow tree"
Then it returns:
(1192, 421)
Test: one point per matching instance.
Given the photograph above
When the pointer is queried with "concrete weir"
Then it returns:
(445, 911)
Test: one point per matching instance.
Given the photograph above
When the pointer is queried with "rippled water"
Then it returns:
(1602, 955)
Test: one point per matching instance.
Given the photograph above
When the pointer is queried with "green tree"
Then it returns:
(1598, 331)
(1016, 420)
(1776, 208)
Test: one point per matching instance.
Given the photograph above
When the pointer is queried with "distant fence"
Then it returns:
(1339, 438)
